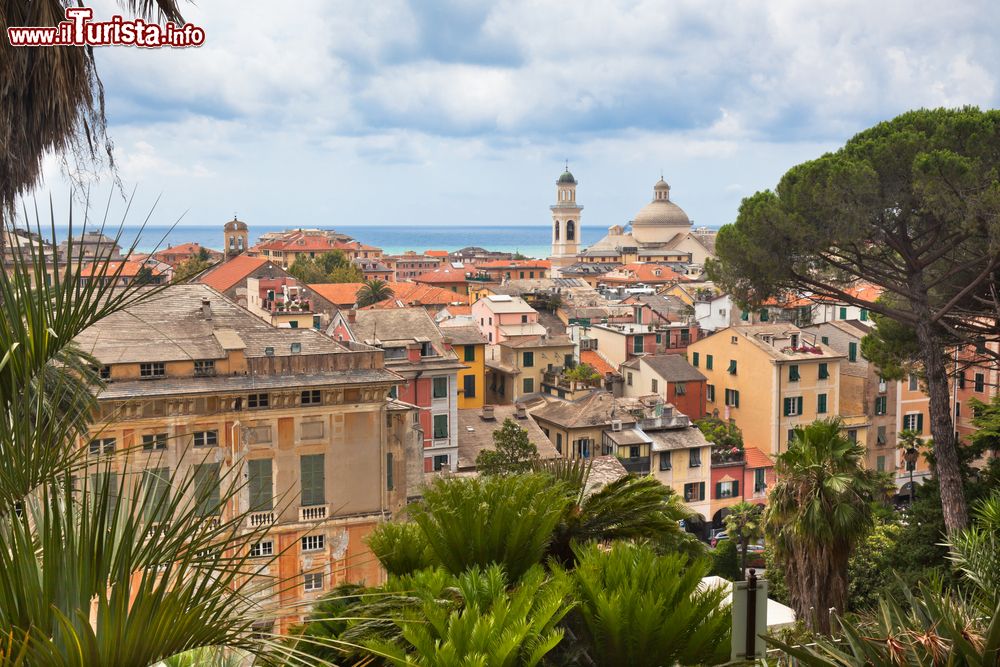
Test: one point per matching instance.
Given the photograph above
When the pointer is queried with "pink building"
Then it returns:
(501, 317)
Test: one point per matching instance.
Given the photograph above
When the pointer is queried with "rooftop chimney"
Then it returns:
(352, 316)
(488, 413)
(206, 309)
(520, 411)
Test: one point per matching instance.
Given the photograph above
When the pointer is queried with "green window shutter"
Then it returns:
(821, 403)
(843, 313)
(920, 423)
(793, 373)
(389, 481)
(852, 351)
(156, 488)
(440, 426)
(206, 489)
(470, 352)
(528, 359)
(440, 387)
(736, 399)
(824, 371)
(694, 359)
(732, 367)
(764, 315)
(637, 344)
(261, 484)
(864, 315)
(787, 407)
(708, 361)
(825, 340)
(745, 315)
(798, 404)
(701, 491)
(718, 489)
(736, 488)
(313, 479)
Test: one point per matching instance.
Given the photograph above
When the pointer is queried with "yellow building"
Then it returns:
(516, 367)
(470, 346)
(768, 379)
(198, 386)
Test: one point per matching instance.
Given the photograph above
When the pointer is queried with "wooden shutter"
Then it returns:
(261, 484)
(313, 479)
(701, 490)
(920, 423)
(736, 488)
(206, 488)
(798, 404)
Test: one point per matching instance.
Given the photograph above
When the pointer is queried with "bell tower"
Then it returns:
(565, 222)
(235, 237)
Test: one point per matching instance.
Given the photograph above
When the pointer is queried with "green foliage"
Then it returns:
(721, 433)
(975, 553)
(507, 520)
(400, 547)
(817, 512)
(892, 346)
(373, 291)
(745, 526)
(191, 267)
(582, 373)
(643, 609)
(330, 267)
(495, 626)
(513, 452)
(869, 570)
(777, 588)
(986, 419)
(725, 560)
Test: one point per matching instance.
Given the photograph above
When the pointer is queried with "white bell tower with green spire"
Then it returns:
(565, 222)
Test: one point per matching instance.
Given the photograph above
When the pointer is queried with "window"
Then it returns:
(843, 313)
(852, 351)
(914, 385)
(880, 464)
(154, 441)
(102, 446)
(961, 380)
(313, 542)
(317, 322)
(852, 434)
(708, 361)
(524, 318)
(311, 397)
(105, 372)
(469, 386)
(156, 490)
(637, 344)
(980, 382)
(528, 385)
(440, 426)
(745, 315)
(206, 489)
(390, 481)
(694, 492)
(559, 442)
(825, 340)
(204, 367)
(880, 436)
(793, 406)
(680, 388)
(153, 370)
(759, 480)
(880, 405)
(258, 400)
(824, 371)
(727, 489)
(793, 373)
(654, 386)
(628, 378)
(914, 422)
(732, 367)
(528, 360)
(958, 409)
(694, 458)
(312, 475)
(441, 462)
(470, 352)
(313, 581)
(393, 392)
(732, 398)
(262, 549)
(864, 314)
(791, 435)
(664, 460)
(260, 484)
(206, 438)
(821, 404)
(694, 359)
(710, 393)
(440, 387)
(764, 315)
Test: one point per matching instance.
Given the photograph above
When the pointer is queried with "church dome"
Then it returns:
(235, 225)
(566, 178)
(660, 219)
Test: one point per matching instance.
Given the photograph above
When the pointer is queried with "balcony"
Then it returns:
(639, 465)
(312, 513)
(258, 519)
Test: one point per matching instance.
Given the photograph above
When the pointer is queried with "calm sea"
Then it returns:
(531, 241)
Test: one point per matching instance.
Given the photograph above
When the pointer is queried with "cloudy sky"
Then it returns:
(461, 113)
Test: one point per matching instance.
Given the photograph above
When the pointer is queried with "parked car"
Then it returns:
(755, 556)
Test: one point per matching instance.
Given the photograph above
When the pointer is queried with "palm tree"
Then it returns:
(744, 525)
(372, 291)
(53, 99)
(817, 512)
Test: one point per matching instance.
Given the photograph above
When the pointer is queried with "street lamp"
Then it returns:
(910, 455)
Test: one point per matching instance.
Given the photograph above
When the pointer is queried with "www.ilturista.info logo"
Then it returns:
(79, 30)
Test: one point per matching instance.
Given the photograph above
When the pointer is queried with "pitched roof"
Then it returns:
(128, 269)
(755, 458)
(185, 249)
(688, 437)
(597, 362)
(643, 272)
(538, 341)
(445, 274)
(475, 434)
(339, 294)
(463, 335)
(436, 253)
(595, 409)
(399, 324)
(504, 303)
(227, 274)
(672, 367)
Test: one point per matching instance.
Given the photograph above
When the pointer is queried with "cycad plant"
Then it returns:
(642, 609)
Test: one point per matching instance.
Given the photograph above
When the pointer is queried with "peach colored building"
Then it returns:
(501, 317)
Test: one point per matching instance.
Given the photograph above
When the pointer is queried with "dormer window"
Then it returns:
(156, 369)
(204, 368)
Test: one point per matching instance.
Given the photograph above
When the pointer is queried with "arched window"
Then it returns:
(570, 231)
(557, 230)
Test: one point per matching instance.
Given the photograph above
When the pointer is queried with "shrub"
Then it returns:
(400, 548)
(725, 560)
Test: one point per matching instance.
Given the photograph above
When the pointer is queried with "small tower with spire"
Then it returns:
(565, 221)
(235, 237)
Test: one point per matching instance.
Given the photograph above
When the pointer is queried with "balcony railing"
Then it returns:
(312, 513)
(257, 519)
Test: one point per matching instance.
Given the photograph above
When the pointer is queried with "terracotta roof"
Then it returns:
(129, 270)
(645, 273)
(436, 253)
(455, 311)
(339, 294)
(424, 295)
(518, 263)
(185, 249)
(592, 358)
(446, 274)
(757, 459)
(227, 274)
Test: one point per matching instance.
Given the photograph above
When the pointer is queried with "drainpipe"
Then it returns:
(779, 402)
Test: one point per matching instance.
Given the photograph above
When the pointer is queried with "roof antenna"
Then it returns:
(567, 164)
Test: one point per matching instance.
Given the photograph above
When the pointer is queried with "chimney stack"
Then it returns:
(206, 309)
(352, 316)
(488, 413)
(520, 411)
